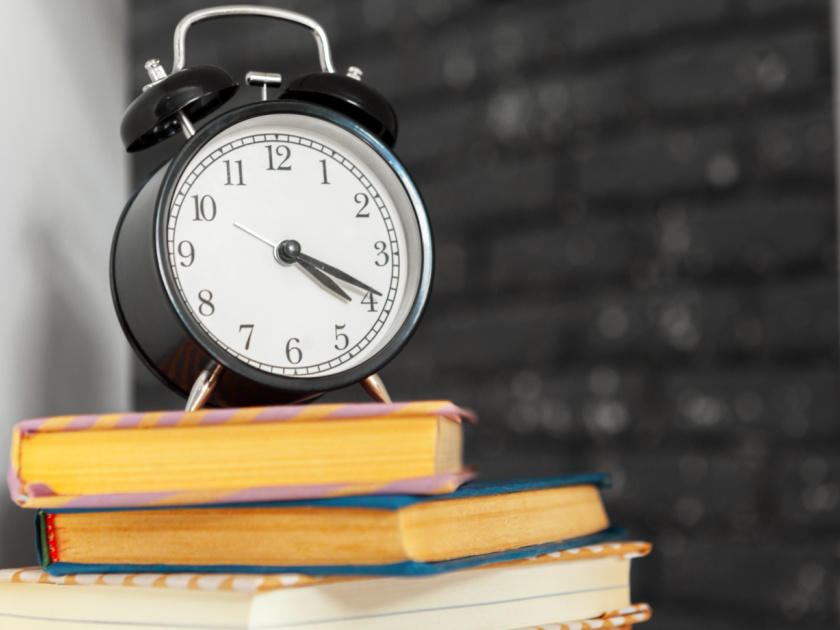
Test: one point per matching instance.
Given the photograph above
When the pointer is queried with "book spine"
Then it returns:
(51, 544)
(41, 540)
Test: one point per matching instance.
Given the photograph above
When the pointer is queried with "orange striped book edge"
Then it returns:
(256, 583)
(621, 618)
(244, 415)
(41, 496)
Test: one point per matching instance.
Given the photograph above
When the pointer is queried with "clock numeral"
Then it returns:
(283, 153)
(206, 307)
(187, 251)
(293, 353)
(230, 179)
(250, 329)
(324, 168)
(205, 209)
(370, 300)
(342, 340)
(382, 257)
(363, 199)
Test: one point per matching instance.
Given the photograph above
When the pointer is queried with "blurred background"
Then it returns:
(636, 242)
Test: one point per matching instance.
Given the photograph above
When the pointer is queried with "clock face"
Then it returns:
(294, 246)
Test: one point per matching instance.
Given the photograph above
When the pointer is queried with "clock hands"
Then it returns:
(303, 258)
(289, 251)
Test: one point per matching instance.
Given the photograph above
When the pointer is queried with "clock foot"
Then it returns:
(375, 388)
(204, 386)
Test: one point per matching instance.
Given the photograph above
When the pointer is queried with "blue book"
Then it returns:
(482, 522)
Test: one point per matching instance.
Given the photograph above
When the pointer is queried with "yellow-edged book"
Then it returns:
(237, 455)
(354, 535)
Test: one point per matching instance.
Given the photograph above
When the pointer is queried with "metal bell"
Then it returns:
(349, 96)
(160, 111)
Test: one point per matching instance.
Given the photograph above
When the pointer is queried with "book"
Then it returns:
(357, 535)
(582, 588)
(238, 455)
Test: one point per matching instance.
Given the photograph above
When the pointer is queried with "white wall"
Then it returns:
(63, 181)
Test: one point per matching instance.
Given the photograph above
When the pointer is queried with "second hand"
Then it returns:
(255, 235)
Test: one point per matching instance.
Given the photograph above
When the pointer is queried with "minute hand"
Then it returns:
(336, 272)
(323, 278)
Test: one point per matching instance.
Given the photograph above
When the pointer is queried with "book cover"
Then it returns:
(238, 455)
(354, 535)
(582, 587)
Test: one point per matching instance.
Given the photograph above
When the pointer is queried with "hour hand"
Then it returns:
(323, 278)
(289, 252)
(303, 258)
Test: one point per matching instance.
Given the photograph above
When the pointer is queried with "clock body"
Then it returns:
(285, 243)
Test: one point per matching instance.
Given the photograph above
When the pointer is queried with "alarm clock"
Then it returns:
(283, 251)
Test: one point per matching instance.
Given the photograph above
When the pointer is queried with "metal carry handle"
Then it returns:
(180, 40)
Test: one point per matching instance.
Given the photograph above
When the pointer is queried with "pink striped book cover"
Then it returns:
(37, 493)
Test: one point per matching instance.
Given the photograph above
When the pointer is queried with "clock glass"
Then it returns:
(293, 245)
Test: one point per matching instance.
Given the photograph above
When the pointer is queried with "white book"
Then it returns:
(549, 591)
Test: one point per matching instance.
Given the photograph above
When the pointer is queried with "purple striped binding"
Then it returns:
(435, 484)
(265, 414)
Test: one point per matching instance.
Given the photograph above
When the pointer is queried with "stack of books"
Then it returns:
(318, 517)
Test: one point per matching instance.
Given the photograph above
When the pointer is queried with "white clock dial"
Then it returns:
(293, 245)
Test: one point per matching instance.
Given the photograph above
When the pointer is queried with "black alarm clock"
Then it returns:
(283, 251)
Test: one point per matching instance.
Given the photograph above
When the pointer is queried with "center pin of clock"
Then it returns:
(287, 251)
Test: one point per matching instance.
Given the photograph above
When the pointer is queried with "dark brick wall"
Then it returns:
(633, 205)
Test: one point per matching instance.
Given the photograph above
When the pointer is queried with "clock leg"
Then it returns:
(204, 386)
(375, 388)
